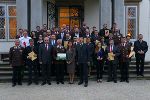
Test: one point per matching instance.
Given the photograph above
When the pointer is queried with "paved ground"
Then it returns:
(135, 90)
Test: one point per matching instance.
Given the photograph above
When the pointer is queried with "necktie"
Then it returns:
(24, 43)
(47, 47)
(111, 48)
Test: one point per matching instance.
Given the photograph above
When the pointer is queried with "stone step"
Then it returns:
(93, 72)
(66, 78)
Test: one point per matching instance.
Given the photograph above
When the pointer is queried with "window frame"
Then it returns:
(7, 18)
(70, 17)
(136, 18)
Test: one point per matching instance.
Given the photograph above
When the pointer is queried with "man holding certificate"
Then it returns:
(112, 53)
(60, 57)
(31, 61)
(125, 50)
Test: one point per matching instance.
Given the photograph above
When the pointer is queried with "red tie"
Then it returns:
(24, 43)
(110, 48)
(47, 46)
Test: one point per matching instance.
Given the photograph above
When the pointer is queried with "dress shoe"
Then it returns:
(142, 75)
(13, 85)
(57, 82)
(69, 83)
(86, 84)
(19, 83)
(80, 83)
(49, 83)
(108, 80)
(121, 81)
(100, 80)
(43, 83)
(127, 81)
(62, 82)
(36, 83)
(29, 83)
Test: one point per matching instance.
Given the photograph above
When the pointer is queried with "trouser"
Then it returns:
(32, 71)
(112, 71)
(39, 69)
(17, 77)
(83, 72)
(124, 71)
(140, 65)
(60, 71)
(46, 72)
(99, 68)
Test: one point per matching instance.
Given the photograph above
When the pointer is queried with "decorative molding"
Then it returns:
(132, 1)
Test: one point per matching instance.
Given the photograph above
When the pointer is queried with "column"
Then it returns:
(21, 6)
(120, 15)
(36, 13)
(105, 13)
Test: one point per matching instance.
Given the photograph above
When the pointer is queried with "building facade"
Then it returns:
(132, 16)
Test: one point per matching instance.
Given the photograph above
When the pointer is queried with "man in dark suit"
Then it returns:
(140, 48)
(125, 50)
(45, 58)
(95, 36)
(76, 33)
(61, 34)
(53, 41)
(83, 60)
(16, 62)
(91, 50)
(112, 63)
(31, 63)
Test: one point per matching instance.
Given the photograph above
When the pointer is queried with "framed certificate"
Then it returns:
(65, 44)
(106, 32)
(110, 55)
(61, 56)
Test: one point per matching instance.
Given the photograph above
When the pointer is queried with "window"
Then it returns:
(69, 16)
(8, 22)
(131, 21)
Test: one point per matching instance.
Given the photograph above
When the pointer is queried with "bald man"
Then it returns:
(45, 58)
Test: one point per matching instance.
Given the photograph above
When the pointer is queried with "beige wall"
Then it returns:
(144, 23)
(91, 13)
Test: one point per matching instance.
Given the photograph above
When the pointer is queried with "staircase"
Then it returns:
(6, 72)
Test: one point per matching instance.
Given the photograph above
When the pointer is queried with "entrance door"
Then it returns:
(69, 16)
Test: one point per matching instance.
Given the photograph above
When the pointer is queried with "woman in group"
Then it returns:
(99, 52)
(70, 55)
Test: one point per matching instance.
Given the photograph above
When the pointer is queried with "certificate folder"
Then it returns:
(61, 56)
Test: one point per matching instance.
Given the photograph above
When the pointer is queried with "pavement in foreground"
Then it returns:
(135, 90)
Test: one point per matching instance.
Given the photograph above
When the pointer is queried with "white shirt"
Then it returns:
(77, 35)
(24, 41)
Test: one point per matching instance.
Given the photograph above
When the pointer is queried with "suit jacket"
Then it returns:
(140, 46)
(45, 56)
(90, 48)
(53, 42)
(115, 51)
(74, 35)
(82, 53)
(16, 56)
(70, 55)
(57, 50)
(27, 51)
(60, 37)
(124, 52)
